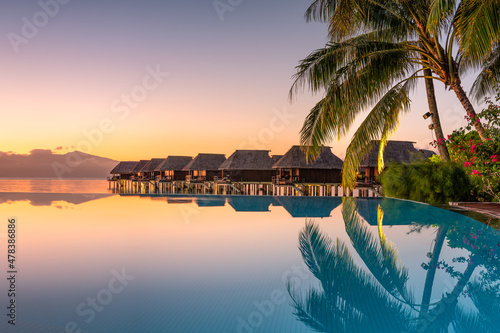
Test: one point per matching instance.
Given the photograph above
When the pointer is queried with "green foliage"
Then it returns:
(435, 159)
(481, 159)
(434, 183)
(375, 55)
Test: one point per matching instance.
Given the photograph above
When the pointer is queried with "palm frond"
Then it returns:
(466, 322)
(381, 149)
(361, 82)
(477, 25)
(489, 77)
(382, 119)
(440, 13)
(323, 65)
(320, 10)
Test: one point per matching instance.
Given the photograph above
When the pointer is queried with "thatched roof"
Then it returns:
(123, 168)
(139, 166)
(426, 153)
(395, 151)
(296, 158)
(276, 158)
(205, 162)
(248, 160)
(175, 163)
(152, 165)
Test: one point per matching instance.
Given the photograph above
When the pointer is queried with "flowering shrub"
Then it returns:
(480, 159)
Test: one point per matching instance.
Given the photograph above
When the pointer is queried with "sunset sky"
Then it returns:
(227, 84)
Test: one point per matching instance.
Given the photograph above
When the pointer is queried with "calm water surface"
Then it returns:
(111, 263)
(54, 185)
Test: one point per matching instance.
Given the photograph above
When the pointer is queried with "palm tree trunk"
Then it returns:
(462, 96)
(431, 272)
(438, 130)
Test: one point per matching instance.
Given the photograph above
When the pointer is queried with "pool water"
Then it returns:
(128, 263)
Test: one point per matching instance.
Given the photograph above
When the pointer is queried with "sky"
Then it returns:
(132, 79)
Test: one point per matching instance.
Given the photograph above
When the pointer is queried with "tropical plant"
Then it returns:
(477, 31)
(480, 159)
(425, 181)
(377, 51)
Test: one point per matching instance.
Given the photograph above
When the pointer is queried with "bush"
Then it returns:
(430, 182)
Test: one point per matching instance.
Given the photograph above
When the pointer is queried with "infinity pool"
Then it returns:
(109, 263)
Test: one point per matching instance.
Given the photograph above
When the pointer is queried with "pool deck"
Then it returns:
(485, 212)
(488, 208)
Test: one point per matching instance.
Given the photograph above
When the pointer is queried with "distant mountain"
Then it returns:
(43, 163)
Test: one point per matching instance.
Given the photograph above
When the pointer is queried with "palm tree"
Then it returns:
(378, 50)
(477, 31)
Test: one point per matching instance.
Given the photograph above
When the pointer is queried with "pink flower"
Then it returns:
(475, 172)
(472, 148)
(467, 164)
(494, 158)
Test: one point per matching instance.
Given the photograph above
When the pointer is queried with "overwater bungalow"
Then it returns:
(171, 168)
(148, 170)
(395, 151)
(248, 166)
(293, 167)
(204, 167)
(124, 170)
(276, 158)
(137, 169)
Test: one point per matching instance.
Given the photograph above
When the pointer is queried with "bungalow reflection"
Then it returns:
(350, 298)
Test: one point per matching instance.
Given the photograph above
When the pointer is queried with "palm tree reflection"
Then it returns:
(351, 299)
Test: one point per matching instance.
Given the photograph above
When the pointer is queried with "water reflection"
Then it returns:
(48, 199)
(297, 207)
(378, 298)
(210, 201)
(252, 204)
(314, 207)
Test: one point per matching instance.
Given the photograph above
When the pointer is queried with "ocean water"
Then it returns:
(101, 262)
(54, 185)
